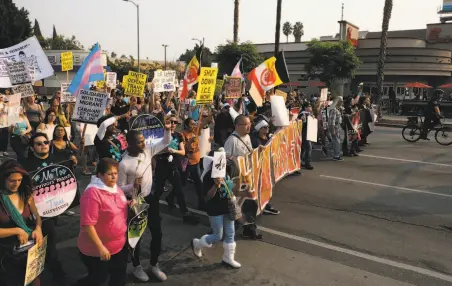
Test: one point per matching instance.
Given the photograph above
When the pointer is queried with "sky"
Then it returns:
(113, 23)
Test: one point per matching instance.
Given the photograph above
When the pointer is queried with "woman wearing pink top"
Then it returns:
(103, 226)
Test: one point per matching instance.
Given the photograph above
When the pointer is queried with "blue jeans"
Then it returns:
(306, 150)
(218, 223)
(336, 140)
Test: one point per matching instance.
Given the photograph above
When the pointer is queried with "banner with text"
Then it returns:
(111, 79)
(18, 72)
(25, 90)
(90, 106)
(135, 84)
(13, 108)
(164, 81)
(206, 85)
(66, 97)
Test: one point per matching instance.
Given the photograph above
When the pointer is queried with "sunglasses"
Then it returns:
(174, 122)
(43, 143)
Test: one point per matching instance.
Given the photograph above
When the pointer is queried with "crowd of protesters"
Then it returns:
(44, 137)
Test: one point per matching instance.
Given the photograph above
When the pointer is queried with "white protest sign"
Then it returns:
(90, 133)
(219, 165)
(313, 124)
(164, 81)
(204, 143)
(111, 79)
(30, 52)
(13, 108)
(279, 111)
(324, 94)
(18, 72)
(90, 106)
(66, 97)
(25, 90)
(35, 262)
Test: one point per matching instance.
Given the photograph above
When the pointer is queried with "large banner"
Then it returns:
(267, 165)
(90, 106)
(31, 53)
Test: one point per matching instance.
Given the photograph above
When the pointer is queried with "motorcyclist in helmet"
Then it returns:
(432, 113)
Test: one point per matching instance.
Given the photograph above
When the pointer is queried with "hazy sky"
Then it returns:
(175, 22)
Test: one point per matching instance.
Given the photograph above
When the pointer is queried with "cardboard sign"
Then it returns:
(35, 262)
(206, 85)
(281, 93)
(111, 79)
(30, 52)
(219, 165)
(18, 72)
(54, 190)
(13, 108)
(164, 81)
(124, 81)
(324, 94)
(25, 90)
(67, 61)
(90, 106)
(219, 86)
(137, 224)
(150, 126)
(233, 87)
(66, 97)
(90, 133)
(279, 111)
(135, 84)
(313, 125)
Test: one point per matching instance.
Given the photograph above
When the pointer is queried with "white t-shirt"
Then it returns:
(235, 147)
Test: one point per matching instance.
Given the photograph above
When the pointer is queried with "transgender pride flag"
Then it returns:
(91, 70)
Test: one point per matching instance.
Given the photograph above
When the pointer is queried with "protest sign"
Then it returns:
(219, 86)
(324, 94)
(279, 111)
(25, 90)
(124, 81)
(18, 72)
(111, 79)
(265, 166)
(206, 85)
(3, 115)
(164, 81)
(28, 51)
(135, 84)
(36, 258)
(150, 126)
(89, 106)
(54, 190)
(219, 165)
(100, 84)
(137, 224)
(66, 97)
(67, 61)
(13, 108)
(312, 126)
(233, 87)
(204, 143)
(90, 133)
(281, 93)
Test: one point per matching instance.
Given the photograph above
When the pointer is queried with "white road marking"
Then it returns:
(362, 255)
(406, 160)
(387, 186)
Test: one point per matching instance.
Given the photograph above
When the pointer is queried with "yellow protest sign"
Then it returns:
(135, 84)
(67, 61)
(124, 81)
(206, 85)
(100, 84)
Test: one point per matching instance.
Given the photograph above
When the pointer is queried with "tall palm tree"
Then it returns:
(387, 11)
(298, 31)
(236, 20)
(278, 26)
(287, 30)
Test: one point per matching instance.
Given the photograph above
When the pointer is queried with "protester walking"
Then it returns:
(334, 125)
(107, 145)
(306, 147)
(48, 125)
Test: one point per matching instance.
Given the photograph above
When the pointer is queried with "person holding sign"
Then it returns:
(107, 145)
(20, 223)
(20, 131)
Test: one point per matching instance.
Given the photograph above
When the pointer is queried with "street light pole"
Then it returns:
(201, 43)
(164, 47)
(138, 30)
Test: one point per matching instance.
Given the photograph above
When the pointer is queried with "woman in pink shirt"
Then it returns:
(103, 227)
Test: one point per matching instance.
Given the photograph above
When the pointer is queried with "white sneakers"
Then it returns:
(228, 255)
(198, 244)
(141, 275)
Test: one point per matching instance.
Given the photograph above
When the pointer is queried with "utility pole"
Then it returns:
(138, 31)
(164, 47)
(278, 26)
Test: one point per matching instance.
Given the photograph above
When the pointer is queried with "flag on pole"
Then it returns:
(236, 72)
(266, 76)
(91, 70)
(191, 77)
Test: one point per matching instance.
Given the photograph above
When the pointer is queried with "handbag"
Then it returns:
(235, 212)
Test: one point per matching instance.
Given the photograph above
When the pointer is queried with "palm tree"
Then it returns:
(278, 27)
(387, 11)
(236, 20)
(113, 55)
(298, 31)
(287, 30)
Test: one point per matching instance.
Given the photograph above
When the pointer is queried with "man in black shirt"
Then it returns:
(120, 108)
(432, 113)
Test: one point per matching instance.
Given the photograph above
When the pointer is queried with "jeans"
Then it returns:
(4, 135)
(306, 150)
(18, 147)
(336, 140)
(167, 170)
(218, 224)
(194, 171)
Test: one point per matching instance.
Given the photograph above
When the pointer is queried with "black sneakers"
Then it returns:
(270, 210)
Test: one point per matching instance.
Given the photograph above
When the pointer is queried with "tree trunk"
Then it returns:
(387, 11)
(236, 20)
(278, 27)
(297, 39)
(287, 38)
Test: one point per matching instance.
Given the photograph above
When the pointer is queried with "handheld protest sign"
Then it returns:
(67, 61)
(312, 126)
(206, 85)
(323, 94)
(90, 106)
(13, 108)
(219, 165)
(137, 224)
(233, 87)
(279, 111)
(25, 90)
(54, 190)
(151, 127)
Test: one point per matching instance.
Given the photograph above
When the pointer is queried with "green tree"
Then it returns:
(287, 30)
(113, 55)
(55, 40)
(236, 20)
(331, 61)
(206, 59)
(228, 55)
(120, 66)
(387, 12)
(298, 31)
(15, 25)
(37, 32)
(62, 43)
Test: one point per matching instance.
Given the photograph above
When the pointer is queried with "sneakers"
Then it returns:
(5, 154)
(337, 159)
(270, 210)
(309, 167)
(251, 234)
(159, 274)
(139, 273)
(325, 151)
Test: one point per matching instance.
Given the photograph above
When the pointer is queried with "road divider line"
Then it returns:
(405, 160)
(387, 186)
(355, 253)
